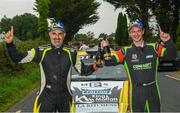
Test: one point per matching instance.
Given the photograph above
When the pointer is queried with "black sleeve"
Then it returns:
(14, 54)
(116, 59)
(20, 57)
(74, 57)
(171, 51)
(38, 55)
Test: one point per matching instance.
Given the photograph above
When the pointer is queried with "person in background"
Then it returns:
(141, 62)
(83, 46)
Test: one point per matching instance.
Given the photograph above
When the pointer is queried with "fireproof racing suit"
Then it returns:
(55, 63)
(141, 64)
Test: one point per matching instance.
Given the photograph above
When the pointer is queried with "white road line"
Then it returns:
(18, 111)
(172, 77)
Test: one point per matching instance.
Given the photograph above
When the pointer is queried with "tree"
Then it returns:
(165, 11)
(112, 35)
(29, 35)
(134, 9)
(81, 37)
(5, 24)
(178, 37)
(74, 14)
(101, 36)
(87, 39)
(121, 35)
(167, 15)
(42, 7)
(90, 34)
(24, 25)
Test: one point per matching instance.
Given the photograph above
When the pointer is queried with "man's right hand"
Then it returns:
(104, 43)
(9, 36)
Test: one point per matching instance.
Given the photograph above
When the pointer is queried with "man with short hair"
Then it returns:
(55, 62)
(141, 62)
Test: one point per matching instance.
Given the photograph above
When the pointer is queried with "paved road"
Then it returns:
(170, 93)
(169, 88)
(25, 105)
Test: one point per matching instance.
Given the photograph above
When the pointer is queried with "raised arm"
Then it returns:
(170, 49)
(14, 54)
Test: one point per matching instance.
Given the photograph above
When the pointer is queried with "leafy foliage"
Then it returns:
(101, 35)
(6, 65)
(87, 39)
(42, 7)
(165, 11)
(16, 81)
(14, 88)
(5, 24)
(178, 37)
(74, 14)
(122, 30)
(167, 15)
(134, 9)
(25, 26)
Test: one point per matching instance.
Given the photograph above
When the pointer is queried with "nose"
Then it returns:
(135, 33)
(56, 36)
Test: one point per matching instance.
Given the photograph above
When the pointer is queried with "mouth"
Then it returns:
(136, 37)
(57, 40)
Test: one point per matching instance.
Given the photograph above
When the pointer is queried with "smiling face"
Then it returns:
(57, 37)
(136, 33)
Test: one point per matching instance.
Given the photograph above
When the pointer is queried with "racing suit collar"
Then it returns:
(143, 45)
(58, 49)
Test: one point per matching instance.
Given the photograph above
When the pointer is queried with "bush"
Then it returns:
(6, 64)
(16, 81)
(14, 88)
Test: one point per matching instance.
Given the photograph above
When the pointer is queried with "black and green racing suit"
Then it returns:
(141, 64)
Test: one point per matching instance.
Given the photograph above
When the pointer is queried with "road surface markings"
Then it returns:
(18, 111)
(172, 77)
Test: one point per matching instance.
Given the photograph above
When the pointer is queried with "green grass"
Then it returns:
(16, 81)
(14, 87)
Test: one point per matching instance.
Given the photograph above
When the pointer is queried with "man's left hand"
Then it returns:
(164, 36)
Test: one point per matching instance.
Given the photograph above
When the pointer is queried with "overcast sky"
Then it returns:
(106, 24)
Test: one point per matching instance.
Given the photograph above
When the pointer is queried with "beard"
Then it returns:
(55, 44)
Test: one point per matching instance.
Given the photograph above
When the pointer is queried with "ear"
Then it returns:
(49, 34)
(64, 34)
(129, 32)
(143, 30)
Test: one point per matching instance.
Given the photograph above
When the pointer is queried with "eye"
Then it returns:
(139, 31)
(60, 33)
(53, 33)
(133, 31)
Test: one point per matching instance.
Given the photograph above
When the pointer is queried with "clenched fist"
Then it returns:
(164, 36)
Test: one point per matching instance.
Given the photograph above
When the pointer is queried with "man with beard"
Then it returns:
(55, 62)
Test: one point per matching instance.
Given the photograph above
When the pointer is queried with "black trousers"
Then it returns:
(53, 103)
(145, 98)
